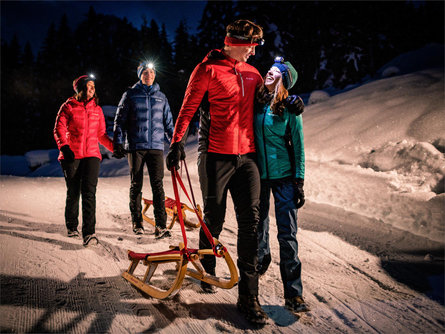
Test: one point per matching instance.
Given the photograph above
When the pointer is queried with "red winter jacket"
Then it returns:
(81, 127)
(231, 87)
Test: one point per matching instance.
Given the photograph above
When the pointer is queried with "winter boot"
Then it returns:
(90, 240)
(296, 304)
(251, 308)
(207, 288)
(161, 233)
(138, 228)
(73, 233)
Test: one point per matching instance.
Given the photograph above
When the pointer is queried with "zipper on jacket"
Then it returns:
(86, 131)
(241, 78)
(265, 149)
(239, 104)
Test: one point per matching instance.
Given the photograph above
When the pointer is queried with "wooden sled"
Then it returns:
(176, 259)
(181, 257)
(172, 211)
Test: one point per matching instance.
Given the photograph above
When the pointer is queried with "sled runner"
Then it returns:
(177, 258)
(172, 211)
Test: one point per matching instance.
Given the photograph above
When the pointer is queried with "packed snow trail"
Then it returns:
(51, 283)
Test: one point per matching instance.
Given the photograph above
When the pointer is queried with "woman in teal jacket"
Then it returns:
(280, 151)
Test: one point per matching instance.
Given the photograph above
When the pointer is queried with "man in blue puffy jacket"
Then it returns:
(142, 120)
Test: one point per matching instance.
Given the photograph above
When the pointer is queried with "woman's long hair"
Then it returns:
(82, 96)
(275, 98)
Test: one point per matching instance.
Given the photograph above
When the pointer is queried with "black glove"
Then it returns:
(294, 104)
(68, 155)
(299, 183)
(118, 151)
(175, 153)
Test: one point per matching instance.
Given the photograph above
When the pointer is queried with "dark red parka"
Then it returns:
(82, 127)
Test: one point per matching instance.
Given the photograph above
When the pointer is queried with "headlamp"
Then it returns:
(279, 59)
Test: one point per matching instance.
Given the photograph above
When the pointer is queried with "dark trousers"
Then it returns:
(283, 191)
(81, 178)
(218, 174)
(154, 159)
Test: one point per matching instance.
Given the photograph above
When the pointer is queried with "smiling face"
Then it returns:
(273, 77)
(148, 76)
(91, 89)
(240, 53)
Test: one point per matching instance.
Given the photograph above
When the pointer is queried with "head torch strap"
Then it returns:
(233, 41)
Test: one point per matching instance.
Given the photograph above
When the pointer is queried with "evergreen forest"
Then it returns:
(331, 44)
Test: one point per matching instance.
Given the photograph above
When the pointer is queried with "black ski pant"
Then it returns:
(238, 174)
(81, 179)
(154, 159)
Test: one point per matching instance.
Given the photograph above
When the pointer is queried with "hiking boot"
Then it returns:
(251, 308)
(73, 233)
(207, 288)
(267, 259)
(138, 228)
(296, 304)
(90, 240)
(161, 233)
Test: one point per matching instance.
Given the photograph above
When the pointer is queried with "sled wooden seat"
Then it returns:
(181, 257)
(172, 211)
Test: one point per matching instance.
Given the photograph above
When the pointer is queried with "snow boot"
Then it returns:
(161, 233)
(138, 228)
(296, 304)
(90, 240)
(251, 308)
(207, 288)
(73, 233)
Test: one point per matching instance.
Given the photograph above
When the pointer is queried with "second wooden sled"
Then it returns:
(172, 211)
(179, 258)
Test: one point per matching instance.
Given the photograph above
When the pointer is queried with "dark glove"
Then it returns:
(294, 104)
(68, 155)
(118, 151)
(299, 192)
(175, 153)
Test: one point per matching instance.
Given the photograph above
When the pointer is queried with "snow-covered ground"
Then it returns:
(371, 233)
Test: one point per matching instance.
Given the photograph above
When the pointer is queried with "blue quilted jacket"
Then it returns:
(143, 118)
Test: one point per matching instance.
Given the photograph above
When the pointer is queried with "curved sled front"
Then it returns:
(152, 262)
(202, 275)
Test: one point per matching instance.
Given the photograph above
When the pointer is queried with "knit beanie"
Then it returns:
(288, 73)
(142, 66)
(81, 82)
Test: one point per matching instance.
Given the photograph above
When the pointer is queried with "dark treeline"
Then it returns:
(331, 44)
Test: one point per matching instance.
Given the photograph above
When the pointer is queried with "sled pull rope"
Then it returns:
(218, 250)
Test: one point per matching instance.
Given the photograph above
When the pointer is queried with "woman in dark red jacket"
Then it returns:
(80, 126)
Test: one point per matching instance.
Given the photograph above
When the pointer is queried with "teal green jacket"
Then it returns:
(270, 139)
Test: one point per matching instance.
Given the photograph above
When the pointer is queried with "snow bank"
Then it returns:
(318, 96)
(410, 158)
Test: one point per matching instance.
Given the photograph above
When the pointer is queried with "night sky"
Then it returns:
(30, 20)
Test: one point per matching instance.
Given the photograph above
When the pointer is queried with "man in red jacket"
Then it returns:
(226, 84)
